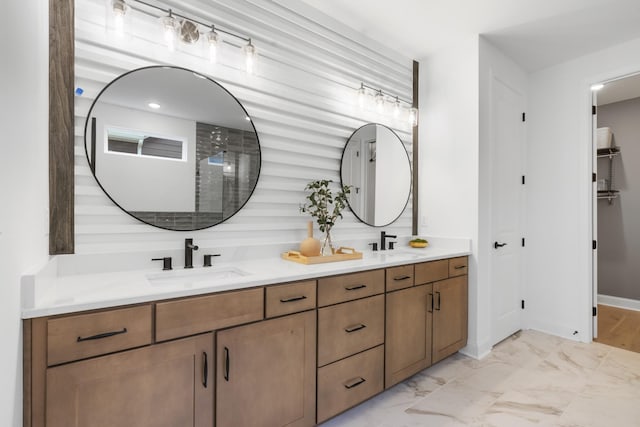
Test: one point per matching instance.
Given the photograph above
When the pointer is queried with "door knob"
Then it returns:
(497, 245)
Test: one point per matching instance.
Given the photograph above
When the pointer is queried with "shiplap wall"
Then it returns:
(301, 99)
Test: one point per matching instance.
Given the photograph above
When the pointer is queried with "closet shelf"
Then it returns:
(608, 195)
(608, 152)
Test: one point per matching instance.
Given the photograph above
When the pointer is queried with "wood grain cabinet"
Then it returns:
(266, 373)
(165, 385)
(283, 355)
(427, 322)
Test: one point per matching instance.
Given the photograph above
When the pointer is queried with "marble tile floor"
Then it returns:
(530, 379)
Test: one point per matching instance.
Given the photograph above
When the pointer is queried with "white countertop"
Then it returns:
(50, 291)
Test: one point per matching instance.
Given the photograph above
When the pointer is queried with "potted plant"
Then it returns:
(326, 208)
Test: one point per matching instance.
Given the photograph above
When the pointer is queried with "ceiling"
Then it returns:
(534, 33)
(619, 90)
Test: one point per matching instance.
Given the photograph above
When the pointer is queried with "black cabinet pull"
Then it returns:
(353, 288)
(497, 245)
(292, 299)
(399, 278)
(103, 335)
(205, 369)
(438, 307)
(226, 364)
(354, 383)
(460, 267)
(430, 306)
(355, 328)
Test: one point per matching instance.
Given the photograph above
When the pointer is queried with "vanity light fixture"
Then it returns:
(188, 29)
(382, 98)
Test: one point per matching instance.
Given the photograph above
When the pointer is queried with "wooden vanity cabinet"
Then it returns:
(291, 354)
(266, 373)
(164, 385)
(427, 322)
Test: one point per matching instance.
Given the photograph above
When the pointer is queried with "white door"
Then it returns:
(507, 135)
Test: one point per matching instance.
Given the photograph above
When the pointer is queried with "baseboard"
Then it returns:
(629, 304)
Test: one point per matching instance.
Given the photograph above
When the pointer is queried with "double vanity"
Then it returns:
(261, 343)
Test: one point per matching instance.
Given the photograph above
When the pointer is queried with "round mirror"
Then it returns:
(376, 164)
(172, 148)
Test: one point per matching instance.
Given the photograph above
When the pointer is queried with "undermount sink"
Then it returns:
(201, 277)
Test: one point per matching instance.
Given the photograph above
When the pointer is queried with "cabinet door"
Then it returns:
(408, 333)
(449, 316)
(266, 373)
(168, 385)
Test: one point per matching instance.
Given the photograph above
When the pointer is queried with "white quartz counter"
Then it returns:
(50, 291)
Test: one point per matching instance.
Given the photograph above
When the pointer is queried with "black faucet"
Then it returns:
(383, 240)
(189, 247)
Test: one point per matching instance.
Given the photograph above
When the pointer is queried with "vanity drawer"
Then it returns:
(349, 328)
(432, 271)
(348, 382)
(290, 298)
(347, 287)
(399, 277)
(92, 334)
(458, 266)
(194, 315)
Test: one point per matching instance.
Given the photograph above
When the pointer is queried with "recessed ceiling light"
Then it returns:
(154, 105)
(597, 87)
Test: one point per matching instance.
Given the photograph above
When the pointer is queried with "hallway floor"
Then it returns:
(530, 379)
(619, 327)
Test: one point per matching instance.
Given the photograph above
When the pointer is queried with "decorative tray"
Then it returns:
(342, 254)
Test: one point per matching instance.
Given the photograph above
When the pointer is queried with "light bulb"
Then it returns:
(250, 57)
(413, 117)
(212, 42)
(380, 102)
(362, 96)
(119, 10)
(170, 25)
(396, 108)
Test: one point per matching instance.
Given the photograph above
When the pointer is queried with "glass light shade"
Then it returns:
(380, 102)
(212, 45)
(396, 108)
(119, 8)
(250, 57)
(170, 27)
(362, 96)
(413, 116)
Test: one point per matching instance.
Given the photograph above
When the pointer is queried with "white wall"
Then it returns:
(559, 189)
(23, 179)
(146, 184)
(448, 172)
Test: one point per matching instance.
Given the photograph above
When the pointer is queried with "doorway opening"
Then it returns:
(616, 200)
